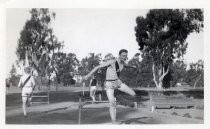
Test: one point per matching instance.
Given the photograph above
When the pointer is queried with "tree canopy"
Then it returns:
(65, 66)
(162, 35)
(195, 74)
(37, 40)
(88, 63)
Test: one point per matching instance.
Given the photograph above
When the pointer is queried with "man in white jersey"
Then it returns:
(27, 85)
(112, 80)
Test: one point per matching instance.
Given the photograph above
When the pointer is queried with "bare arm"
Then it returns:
(98, 67)
(129, 66)
(33, 82)
(132, 67)
(20, 82)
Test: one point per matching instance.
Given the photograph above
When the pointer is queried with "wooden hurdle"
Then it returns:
(159, 101)
(44, 94)
(82, 104)
(47, 96)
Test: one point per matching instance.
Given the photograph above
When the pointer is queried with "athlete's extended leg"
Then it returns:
(24, 99)
(112, 108)
(126, 89)
(91, 93)
(29, 100)
(94, 92)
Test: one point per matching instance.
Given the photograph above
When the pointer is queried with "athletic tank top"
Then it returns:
(113, 71)
(93, 83)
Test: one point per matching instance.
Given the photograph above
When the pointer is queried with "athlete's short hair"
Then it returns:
(109, 56)
(123, 50)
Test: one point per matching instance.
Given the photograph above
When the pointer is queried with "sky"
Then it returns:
(92, 30)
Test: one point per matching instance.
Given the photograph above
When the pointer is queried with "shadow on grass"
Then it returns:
(70, 116)
(135, 120)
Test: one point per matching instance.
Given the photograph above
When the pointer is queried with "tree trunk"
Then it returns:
(154, 77)
(196, 81)
(42, 83)
(56, 85)
(162, 73)
(49, 83)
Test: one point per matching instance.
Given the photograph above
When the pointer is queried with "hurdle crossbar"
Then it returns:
(92, 102)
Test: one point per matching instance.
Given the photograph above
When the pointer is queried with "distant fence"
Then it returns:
(197, 93)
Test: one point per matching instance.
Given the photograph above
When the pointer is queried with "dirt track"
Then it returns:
(64, 110)
(67, 113)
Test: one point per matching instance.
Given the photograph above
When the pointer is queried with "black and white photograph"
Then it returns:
(101, 66)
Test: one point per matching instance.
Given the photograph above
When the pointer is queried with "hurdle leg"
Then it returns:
(79, 108)
(135, 105)
(151, 103)
(83, 89)
(115, 109)
(48, 97)
(100, 97)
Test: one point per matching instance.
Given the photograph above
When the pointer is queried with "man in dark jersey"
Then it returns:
(93, 88)
(112, 80)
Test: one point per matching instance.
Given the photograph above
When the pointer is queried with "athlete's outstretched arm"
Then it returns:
(98, 67)
(129, 66)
